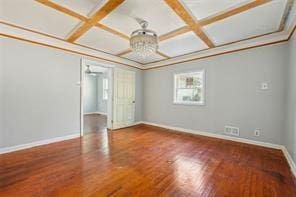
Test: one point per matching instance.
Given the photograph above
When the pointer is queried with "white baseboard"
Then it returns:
(99, 113)
(225, 137)
(134, 124)
(236, 139)
(137, 123)
(37, 143)
(290, 160)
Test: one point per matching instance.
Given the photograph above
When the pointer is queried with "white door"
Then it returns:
(124, 98)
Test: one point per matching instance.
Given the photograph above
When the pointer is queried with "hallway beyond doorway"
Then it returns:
(94, 123)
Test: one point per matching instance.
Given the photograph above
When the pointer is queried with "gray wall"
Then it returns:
(233, 94)
(101, 103)
(139, 94)
(90, 94)
(1, 93)
(291, 101)
(93, 94)
(40, 97)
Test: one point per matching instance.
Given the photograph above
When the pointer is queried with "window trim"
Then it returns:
(202, 102)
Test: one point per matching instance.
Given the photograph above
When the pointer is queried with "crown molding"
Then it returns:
(258, 41)
(31, 36)
(275, 38)
(214, 52)
(34, 37)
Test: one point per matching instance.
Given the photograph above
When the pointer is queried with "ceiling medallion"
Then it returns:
(144, 41)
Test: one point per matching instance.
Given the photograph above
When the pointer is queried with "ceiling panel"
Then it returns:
(33, 15)
(162, 19)
(103, 40)
(136, 57)
(83, 7)
(260, 20)
(184, 43)
(201, 9)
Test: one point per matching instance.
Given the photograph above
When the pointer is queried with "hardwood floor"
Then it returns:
(94, 123)
(146, 161)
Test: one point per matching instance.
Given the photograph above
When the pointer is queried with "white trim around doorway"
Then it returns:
(109, 114)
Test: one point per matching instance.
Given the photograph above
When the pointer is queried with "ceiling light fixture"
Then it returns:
(89, 72)
(144, 41)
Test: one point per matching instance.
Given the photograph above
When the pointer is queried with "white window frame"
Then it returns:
(105, 91)
(200, 103)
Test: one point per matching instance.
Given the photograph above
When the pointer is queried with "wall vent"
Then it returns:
(230, 130)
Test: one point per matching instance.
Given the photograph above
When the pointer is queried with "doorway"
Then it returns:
(96, 97)
(107, 96)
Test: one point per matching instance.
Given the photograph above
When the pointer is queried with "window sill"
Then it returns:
(189, 103)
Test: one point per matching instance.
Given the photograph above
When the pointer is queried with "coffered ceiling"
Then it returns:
(183, 26)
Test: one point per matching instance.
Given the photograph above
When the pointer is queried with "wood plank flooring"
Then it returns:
(94, 123)
(146, 161)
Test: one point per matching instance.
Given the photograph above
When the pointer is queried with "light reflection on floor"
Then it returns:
(190, 174)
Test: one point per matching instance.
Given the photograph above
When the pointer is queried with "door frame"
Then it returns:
(83, 63)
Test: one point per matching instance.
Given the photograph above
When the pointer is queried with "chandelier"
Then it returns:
(144, 41)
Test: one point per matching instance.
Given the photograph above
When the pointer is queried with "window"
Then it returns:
(189, 88)
(105, 89)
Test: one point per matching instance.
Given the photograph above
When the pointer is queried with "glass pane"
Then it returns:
(181, 82)
(191, 95)
(105, 94)
(189, 81)
(105, 89)
(189, 87)
(105, 84)
(197, 95)
(184, 95)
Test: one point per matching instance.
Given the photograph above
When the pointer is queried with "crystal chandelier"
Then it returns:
(144, 41)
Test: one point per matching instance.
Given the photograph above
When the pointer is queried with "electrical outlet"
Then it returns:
(230, 130)
(235, 131)
(227, 130)
(257, 132)
(264, 86)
